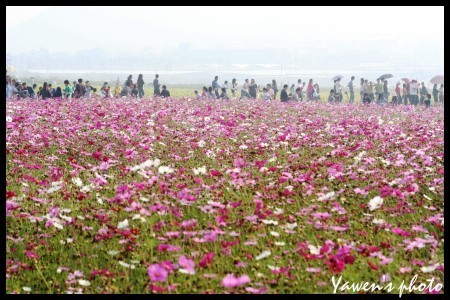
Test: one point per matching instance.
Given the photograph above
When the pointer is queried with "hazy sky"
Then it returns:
(119, 29)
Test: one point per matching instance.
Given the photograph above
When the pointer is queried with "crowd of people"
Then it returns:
(408, 93)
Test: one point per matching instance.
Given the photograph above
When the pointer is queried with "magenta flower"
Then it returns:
(157, 273)
(32, 255)
(207, 260)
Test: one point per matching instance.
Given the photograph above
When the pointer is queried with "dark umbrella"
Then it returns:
(338, 77)
(386, 76)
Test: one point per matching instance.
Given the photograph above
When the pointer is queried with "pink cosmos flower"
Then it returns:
(231, 281)
(157, 273)
(187, 264)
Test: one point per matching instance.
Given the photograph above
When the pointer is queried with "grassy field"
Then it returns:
(188, 196)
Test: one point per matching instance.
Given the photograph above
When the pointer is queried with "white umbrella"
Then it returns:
(438, 79)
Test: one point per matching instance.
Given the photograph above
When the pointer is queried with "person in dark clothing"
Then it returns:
(44, 92)
(140, 85)
(58, 93)
(129, 81)
(252, 88)
(428, 101)
(275, 89)
(223, 95)
(366, 99)
(165, 93)
(435, 93)
(134, 91)
(284, 94)
(423, 93)
(51, 89)
(126, 91)
(394, 100)
(156, 86)
(31, 92)
(79, 89)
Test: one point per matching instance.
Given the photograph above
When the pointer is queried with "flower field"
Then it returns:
(197, 196)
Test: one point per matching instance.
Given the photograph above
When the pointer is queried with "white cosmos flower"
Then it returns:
(53, 189)
(77, 181)
(243, 147)
(143, 199)
(375, 203)
(165, 170)
(123, 224)
(57, 225)
(8, 119)
(85, 189)
(378, 221)
(279, 211)
(314, 250)
(26, 289)
(270, 222)
(264, 254)
(327, 196)
(429, 268)
(290, 226)
(201, 170)
(280, 243)
(201, 143)
(274, 233)
(113, 252)
(84, 282)
(124, 264)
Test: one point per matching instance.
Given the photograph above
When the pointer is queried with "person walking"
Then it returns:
(378, 88)
(405, 94)
(140, 85)
(156, 85)
(441, 94)
(244, 90)
(270, 91)
(385, 90)
(413, 92)
(316, 92)
(423, 93)
(87, 90)
(435, 94)
(362, 88)
(310, 90)
(351, 89)
(427, 100)
(252, 89)
(338, 90)
(215, 86)
(397, 92)
(234, 86)
(275, 88)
